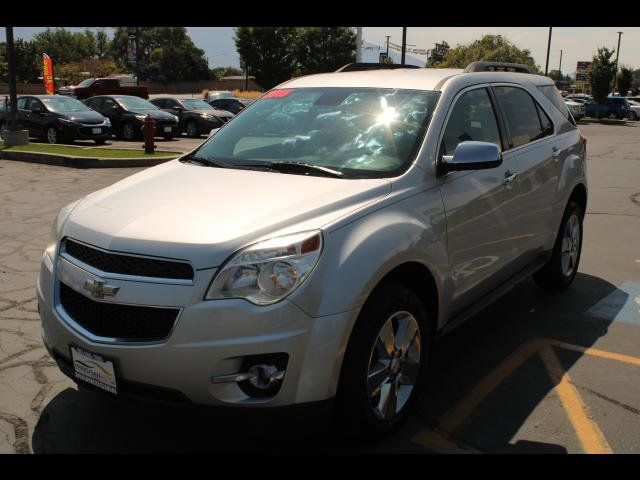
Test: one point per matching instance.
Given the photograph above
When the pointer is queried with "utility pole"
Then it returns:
(560, 67)
(137, 58)
(358, 44)
(388, 37)
(404, 44)
(546, 67)
(13, 136)
(615, 78)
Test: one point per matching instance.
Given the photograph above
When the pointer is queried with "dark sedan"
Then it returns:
(127, 114)
(58, 119)
(232, 105)
(196, 117)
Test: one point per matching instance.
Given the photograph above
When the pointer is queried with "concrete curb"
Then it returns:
(83, 162)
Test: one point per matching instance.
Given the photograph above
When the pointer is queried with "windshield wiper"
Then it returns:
(203, 161)
(300, 167)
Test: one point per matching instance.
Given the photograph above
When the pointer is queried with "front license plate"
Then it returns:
(97, 130)
(94, 369)
(167, 129)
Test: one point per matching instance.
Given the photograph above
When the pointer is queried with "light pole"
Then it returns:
(13, 136)
(546, 67)
(404, 44)
(560, 67)
(358, 44)
(615, 78)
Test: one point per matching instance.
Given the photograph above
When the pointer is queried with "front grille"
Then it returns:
(128, 264)
(124, 322)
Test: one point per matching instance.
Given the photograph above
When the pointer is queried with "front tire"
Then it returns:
(129, 131)
(559, 272)
(52, 135)
(385, 359)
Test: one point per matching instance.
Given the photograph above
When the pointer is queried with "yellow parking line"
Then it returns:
(454, 417)
(590, 436)
(597, 353)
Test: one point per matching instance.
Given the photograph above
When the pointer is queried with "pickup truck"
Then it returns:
(616, 107)
(102, 86)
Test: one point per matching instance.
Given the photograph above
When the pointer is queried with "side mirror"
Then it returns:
(472, 155)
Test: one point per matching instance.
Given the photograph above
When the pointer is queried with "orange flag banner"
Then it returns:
(47, 73)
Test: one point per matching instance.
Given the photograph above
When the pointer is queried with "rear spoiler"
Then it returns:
(355, 67)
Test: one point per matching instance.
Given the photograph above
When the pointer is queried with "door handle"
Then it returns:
(556, 153)
(509, 177)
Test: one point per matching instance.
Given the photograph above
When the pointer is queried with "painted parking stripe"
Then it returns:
(588, 432)
(621, 305)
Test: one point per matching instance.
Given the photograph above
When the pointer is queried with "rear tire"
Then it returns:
(398, 363)
(559, 272)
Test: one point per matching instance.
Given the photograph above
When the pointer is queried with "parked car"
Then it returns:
(127, 114)
(579, 97)
(57, 119)
(232, 105)
(102, 86)
(635, 99)
(635, 109)
(576, 108)
(312, 249)
(215, 94)
(195, 116)
(615, 107)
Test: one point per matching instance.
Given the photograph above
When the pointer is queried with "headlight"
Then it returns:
(268, 271)
(66, 120)
(54, 235)
(107, 122)
(141, 117)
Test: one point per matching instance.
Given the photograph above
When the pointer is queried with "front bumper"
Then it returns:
(78, 131)
(209, 339)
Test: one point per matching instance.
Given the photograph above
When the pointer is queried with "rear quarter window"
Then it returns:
(552, 93)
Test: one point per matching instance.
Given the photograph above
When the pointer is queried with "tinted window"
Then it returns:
(22, 102)
(135, 104)
(472, 118)
(551, 92)
(547, 125)
(521, 115)
(107, 104)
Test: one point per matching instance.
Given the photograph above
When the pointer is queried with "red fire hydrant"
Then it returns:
(148, 132)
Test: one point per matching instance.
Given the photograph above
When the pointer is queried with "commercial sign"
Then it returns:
(414, 51)
(47, 74)
(582, 71)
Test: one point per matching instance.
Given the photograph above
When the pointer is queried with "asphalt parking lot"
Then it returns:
(532, 373)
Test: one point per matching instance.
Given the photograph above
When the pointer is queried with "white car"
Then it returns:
(635, 109)
(576, 108)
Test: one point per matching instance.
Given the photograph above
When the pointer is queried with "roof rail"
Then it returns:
(354, 67)
(497, 67)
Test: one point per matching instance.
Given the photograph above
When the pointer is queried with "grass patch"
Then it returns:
(86, 152)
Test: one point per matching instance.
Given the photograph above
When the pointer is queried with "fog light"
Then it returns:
(264, 376)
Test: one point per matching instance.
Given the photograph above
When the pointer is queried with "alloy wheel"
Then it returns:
(192, 129)
(570, 245)
(394, 365)
(52, 135)
(127, 131)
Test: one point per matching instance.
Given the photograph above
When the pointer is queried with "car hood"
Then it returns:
(84, 117)
(204, 214)
(156, 114)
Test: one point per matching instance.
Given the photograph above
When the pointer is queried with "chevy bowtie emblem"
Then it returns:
(99, 289)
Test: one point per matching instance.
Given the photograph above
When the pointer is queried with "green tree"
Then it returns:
(494, 48)
(64, 46)
(166, 54)
(602, 73)
(268, 52)
(324, 49)
(438, 54)
(4, 66)
(624, 79)
(635, 83)
(102, 44)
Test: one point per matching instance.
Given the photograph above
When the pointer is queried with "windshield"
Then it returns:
(135, 104)
(361, 132)
(64, 104)
(86, 83)
(195, 104)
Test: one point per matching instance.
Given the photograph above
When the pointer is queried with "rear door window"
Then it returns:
(521, 114)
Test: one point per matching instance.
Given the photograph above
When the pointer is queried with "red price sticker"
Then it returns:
(279, 93)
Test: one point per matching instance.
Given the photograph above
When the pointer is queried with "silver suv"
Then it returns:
(311, 249)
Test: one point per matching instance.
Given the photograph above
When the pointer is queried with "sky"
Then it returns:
(577, 43)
